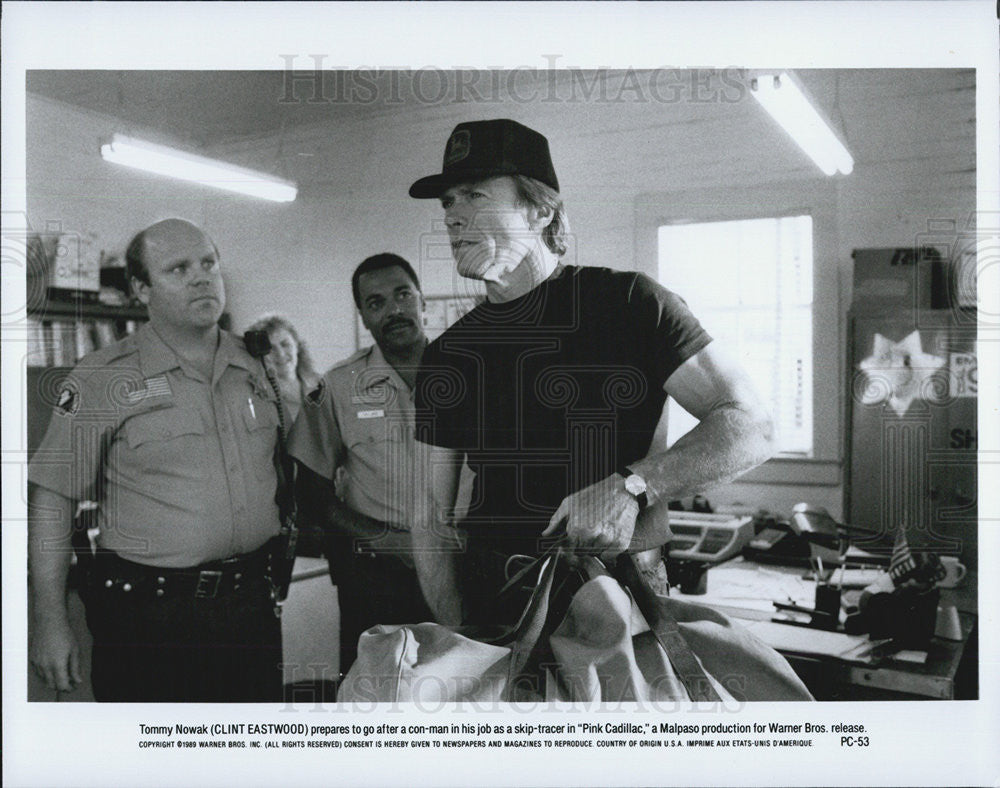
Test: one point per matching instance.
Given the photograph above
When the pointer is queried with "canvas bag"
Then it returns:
(617, 641)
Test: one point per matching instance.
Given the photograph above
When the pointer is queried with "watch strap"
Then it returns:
(642, 499)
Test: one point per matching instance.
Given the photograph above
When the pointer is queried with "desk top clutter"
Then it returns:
(903, 618)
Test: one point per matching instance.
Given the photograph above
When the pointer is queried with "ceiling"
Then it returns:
(203, 107)
(208, 108)
(211, 108)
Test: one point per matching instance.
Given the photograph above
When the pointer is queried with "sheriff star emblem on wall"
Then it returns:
(898, 372)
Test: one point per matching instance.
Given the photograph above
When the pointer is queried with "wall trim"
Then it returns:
(795, 472)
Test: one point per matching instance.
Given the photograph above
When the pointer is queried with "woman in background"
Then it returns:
(290, 361)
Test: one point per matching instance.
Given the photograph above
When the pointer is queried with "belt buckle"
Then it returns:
(208, 584)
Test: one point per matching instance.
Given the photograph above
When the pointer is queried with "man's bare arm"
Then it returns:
(54, 651)
(435, 538)
(734, 432)
(733, 435)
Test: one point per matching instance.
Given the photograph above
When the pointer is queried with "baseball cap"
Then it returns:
(486, 148)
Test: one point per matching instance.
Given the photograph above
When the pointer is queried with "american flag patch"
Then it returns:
(151, 387)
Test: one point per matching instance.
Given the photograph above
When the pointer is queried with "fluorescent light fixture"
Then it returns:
(787, 102)
(173, 163)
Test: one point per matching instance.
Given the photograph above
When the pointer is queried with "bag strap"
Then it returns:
(528, 638)
(535, 564)
(531, 631)
(667, 632)
(531, 650)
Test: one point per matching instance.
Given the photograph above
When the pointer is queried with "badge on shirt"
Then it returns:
(158, 386)
(68, 402)
(378, 413)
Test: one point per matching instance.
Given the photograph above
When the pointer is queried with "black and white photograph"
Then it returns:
(532, 381)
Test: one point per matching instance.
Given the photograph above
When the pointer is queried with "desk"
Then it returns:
(837, 666)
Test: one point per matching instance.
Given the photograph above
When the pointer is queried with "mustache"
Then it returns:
(399, 321)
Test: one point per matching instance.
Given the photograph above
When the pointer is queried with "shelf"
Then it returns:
(63, 330)
(85, 310)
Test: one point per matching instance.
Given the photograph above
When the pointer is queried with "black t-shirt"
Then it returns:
(553, 391)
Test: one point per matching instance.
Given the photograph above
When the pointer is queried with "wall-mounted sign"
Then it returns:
(964, 378)
(898, 372)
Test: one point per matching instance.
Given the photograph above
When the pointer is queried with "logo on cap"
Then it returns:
(459, 145)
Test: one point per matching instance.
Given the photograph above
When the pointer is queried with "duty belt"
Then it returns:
(205, 581)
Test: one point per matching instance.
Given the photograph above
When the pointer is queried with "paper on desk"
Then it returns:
(749, 586)
(910, 655)
(806, 640)
(856, 578)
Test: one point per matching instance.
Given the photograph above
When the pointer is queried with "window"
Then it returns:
(750, 283)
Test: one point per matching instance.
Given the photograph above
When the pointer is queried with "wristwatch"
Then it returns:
(635, 486)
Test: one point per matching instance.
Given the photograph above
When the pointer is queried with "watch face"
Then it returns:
(635, 484)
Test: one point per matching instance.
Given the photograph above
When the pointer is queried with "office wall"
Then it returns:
(354, 175)
(71, 189)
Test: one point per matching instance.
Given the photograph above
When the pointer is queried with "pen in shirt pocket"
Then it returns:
(252, 411)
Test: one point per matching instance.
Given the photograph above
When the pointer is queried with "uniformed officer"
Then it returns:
(354, 436)
(173, 431)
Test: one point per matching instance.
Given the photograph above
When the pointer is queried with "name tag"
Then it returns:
(371, 414)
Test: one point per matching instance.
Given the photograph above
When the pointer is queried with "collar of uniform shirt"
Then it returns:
(156, 357)
(376, 361)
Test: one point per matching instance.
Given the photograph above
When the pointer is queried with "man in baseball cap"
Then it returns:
(486, 148)
(502, 205)
(552, 388)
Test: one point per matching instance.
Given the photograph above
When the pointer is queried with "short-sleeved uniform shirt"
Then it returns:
(182, 467)
(360, 419)
(553, 391)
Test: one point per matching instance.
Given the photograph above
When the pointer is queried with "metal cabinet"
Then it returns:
(912, 429)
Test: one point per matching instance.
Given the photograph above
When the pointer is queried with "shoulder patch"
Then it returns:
(68, 400)
(315, 397)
